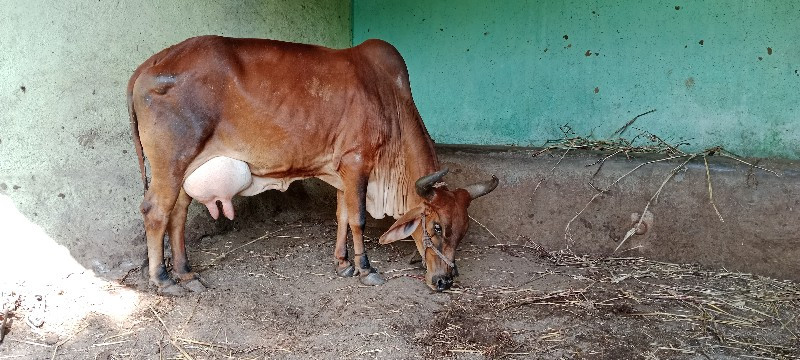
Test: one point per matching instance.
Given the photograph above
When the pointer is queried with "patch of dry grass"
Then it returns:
(728, 313)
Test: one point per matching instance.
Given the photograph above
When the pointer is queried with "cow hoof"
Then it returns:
(372, 279)
(346, 272)
(172, 290)
(186, 276)
(196, 285)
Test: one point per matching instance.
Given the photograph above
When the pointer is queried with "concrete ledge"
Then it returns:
(760, 232)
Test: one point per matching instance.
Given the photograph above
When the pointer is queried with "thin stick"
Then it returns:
(551, 172)
(283, 276)
(685, 351)
(484, 226)
(601, 162)
(122, 280)
(169, 333)
(29, 342)
(752, 356)
(401, 270)
(625, 127)
(119, 335)
(110, 343)
(194, 309)
(195, 342)
(759, 345)
(643, 164)
(225, 254)
(641, 218)
(566, 229)
(62, 342)
(711, 190)
(465, 351)
(542, 151)
(725, 154)
(654, 138)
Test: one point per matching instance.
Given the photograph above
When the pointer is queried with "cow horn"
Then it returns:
(425, 183)
(480, 189)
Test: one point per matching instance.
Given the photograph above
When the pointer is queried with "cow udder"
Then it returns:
(218, 179)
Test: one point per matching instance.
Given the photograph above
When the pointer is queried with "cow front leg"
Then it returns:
(156, 207)
(181, 270)
(355, 199)
(341, 260)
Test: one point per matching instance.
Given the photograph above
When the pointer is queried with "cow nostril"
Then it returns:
(443, 283)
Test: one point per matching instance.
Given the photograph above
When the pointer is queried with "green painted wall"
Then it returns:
(511, 72)
(67, 162)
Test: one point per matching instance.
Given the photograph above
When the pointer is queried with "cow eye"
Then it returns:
(437, 228)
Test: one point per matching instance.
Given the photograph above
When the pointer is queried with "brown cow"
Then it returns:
(219, 117)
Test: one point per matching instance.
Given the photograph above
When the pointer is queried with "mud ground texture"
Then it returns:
(273, 294)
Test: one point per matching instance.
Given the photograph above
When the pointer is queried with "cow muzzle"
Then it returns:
(441, 282)
(440, 277)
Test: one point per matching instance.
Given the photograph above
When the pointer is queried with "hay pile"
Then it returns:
(702, 313)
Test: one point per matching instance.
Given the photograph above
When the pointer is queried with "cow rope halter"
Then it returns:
(427, 243)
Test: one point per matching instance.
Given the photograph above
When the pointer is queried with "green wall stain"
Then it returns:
(512, 72)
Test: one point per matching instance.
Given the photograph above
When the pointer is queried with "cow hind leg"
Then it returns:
(181, 270)
(156, 208)
(344, 267)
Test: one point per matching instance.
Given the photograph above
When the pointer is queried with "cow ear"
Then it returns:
(404, 226)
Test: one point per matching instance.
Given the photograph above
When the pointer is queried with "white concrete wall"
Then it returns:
(67, 162)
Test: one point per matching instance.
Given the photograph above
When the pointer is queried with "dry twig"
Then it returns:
(171, 337)
(623, 146)
(625, 127)
(655, 196)
(544, 178)
(711, 190)
(62, 342)
(222, 256)
(483, 226)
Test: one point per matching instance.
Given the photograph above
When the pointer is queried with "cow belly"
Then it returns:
(218, 179)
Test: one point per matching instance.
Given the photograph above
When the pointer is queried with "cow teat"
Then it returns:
(218, 180)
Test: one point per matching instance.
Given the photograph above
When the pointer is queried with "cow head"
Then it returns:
(437, 225)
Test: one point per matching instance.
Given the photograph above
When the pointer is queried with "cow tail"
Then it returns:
(137, 143)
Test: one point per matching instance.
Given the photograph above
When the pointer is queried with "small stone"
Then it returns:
(51, 339)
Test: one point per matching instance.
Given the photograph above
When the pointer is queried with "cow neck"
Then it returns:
(420, 156)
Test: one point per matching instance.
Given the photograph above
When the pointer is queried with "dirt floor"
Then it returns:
(274, 295)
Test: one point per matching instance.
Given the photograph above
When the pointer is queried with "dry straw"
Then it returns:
(644, 142)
